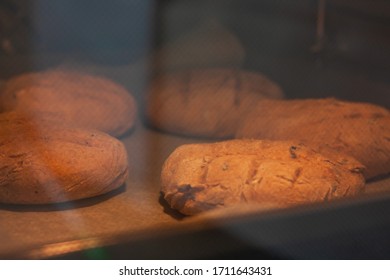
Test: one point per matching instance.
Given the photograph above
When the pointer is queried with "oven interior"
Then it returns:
(311, 48)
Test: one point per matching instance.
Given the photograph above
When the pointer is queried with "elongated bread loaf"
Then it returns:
(199, 177)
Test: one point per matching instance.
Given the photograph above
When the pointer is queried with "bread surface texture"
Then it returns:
(200, 177)
(41, 163)
(205, 102)
(78, 99)
(360, 130)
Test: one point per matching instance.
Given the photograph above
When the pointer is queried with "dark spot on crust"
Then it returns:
(298, 172)
(292, 152)
(184, 188)
(183, 194)
(87, 143)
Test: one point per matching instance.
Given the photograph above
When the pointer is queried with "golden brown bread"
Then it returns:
(360, 130)
(79, 99)
(205, 102)
(199, 177)
(41, 163)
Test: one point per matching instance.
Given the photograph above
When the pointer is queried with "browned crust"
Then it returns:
(78, 99)
(41, 163)
(200, 177)
(205, 102)
(360, 130)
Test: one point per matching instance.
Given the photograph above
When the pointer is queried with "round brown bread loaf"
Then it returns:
(41, 163)
(200, 177)
(360, 130)
(205, 102)
(80, 99)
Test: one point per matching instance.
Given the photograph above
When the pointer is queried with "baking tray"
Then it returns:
(134, 222)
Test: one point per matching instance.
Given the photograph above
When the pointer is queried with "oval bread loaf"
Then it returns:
(205, 102)
(80, 99)
(41, 163)
(360, 130)
(199, 177)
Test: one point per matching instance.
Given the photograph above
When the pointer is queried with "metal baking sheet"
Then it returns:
(134, 209)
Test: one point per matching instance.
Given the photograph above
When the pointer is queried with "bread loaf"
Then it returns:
(205, 102)
(41, 163)
(360, 130)
(79, 99)
(199, 177)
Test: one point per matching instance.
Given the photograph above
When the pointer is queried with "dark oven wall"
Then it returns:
(342, 50)
(347, 57)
